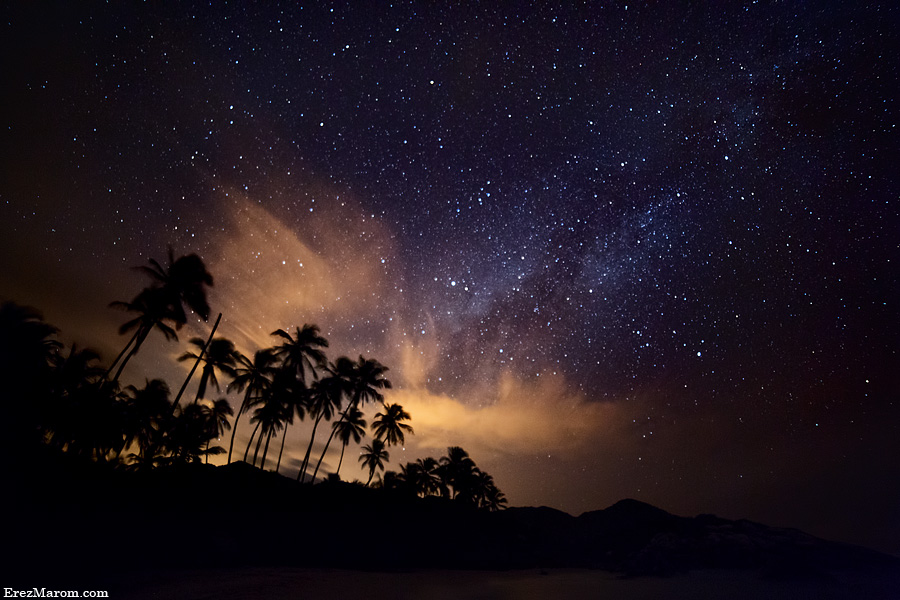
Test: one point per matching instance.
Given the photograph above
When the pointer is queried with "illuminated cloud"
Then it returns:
(328, 267)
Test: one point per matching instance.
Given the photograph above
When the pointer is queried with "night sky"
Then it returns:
(612, 251)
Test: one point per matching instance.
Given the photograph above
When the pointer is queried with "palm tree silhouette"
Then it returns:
(374, 456)
(301, 354)
(268, 418)
(429, 481)
(389, 425)
(72, 379)
(254, 377)
(148, 418)
(27, 349)
(365, 378)
(189, 433)
(292, 397)
(154, 312)
(218, 423)
(457, 471)
(219, 356)
(183, 282)
(326, 397)
(352, 426)
(486, 494)
(25, 340)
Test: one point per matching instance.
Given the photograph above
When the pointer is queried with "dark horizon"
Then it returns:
(613, 252)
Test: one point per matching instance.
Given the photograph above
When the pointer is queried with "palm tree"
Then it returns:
(326, 397)
(353, 426)
(148, 417)
(189, 433)
(365, 378)
(184, 282)
(374, 457)
(268, 417)
(219, 355)
(487, 495)
(154, 312)
(27, 349)
(457, 471)
(72, 379)
(301, 354)
(292, 396)
(389, 425)
(218, 415)
(429, 478)
(254, 377)
(25, 341)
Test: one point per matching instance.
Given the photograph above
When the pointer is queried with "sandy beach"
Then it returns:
(573, 584)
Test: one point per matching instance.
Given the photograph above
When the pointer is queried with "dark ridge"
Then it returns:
(82, 520)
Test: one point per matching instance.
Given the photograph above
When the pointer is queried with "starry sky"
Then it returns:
(612, 250)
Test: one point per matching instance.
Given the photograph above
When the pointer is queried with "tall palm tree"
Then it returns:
(254, 376)
(301, 354)
(154, 312)
(183, 282)
(186, 280)
(219, 356)
(389, 425)
(366, 378)
(218, 423)
(374, 456)
(269, 419)
(326, 397)
(353, 426)
(292, 395)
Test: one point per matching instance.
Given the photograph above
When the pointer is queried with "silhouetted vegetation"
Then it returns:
(454, 476)
(69, 401)
(134, 457)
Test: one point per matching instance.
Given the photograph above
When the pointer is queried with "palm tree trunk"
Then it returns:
(256, 452)
(338, 472)
(122, 353)
(371, 476)
(280, 452)
(321, 458)
(302, 474)
(262, 463)
(253, 435)
(197, 362)
(204, 377)
(234, 428)
(137, 345)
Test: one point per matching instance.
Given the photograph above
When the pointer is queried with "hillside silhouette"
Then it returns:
(197, 515)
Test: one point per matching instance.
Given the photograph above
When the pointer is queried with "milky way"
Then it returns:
(612, 250)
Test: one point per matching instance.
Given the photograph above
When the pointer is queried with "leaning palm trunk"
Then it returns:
(140, 336)
(262, 463)
(238, 416)
(258, 444)
(250, 443)
(196, 362)
(280, 452)
(328, 443)
(340, 462)
(302, 474)
(124, 350)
